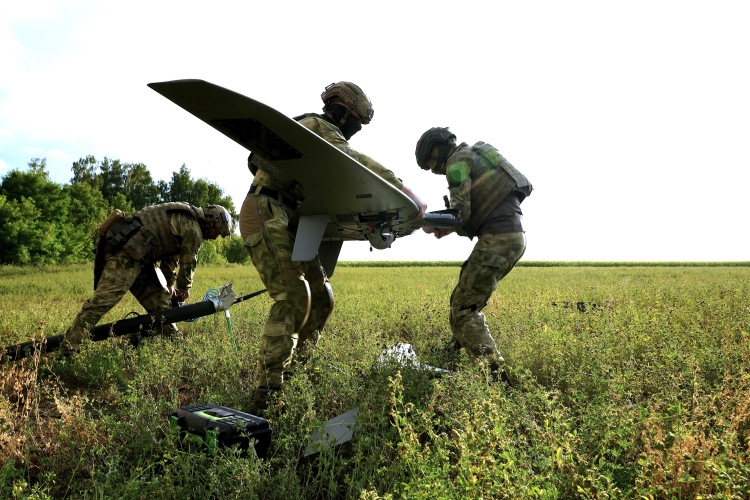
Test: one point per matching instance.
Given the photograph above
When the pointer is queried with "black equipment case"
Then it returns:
(214, 425)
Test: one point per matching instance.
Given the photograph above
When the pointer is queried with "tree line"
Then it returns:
(43, 222)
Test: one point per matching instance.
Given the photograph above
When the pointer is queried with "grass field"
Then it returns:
(628, 382)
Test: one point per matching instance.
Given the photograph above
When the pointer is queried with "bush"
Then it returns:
(212, 252)
(235, 251)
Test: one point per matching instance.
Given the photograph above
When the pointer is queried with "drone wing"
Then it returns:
(343, 199)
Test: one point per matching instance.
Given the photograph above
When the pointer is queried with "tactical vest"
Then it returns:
(156, 219)
(492, 179)
(278, 178)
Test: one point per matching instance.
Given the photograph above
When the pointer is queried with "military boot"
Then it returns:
(498, 373)
(68, 348)
(262, 398)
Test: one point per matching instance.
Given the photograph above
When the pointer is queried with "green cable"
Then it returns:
(231, 331)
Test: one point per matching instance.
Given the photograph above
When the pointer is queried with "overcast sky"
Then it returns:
(631, 119)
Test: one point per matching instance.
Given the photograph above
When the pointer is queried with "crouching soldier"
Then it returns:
(127, 253)
(488, 191)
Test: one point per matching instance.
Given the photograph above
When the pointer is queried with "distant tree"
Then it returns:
(87, 209)
(39, 166)
(163, 187)
(116, 180)
(199, 192)
(140, 189)
(34, 184)
(22, 235)
(235, 251)
(181, 186)
(45, 222)
(113, 176)
(121, 202)
(85, 172)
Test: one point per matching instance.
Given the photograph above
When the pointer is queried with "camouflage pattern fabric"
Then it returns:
(264, 228)
(264, 224)
(186, 240)
(123, 272)
(478, 178)
(332, 134)
(120, 274)
(493, 257)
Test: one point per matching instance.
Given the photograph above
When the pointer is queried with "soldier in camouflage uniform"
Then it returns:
(303, 299)
(488, 191)
(170, 234)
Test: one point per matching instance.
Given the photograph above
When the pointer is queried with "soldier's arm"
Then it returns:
(389, 176)
(168, 266)
(334, 137)
(459, 185)
(378, 168)
(188, 234)
(417, 200)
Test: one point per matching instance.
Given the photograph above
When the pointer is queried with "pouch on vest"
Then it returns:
(121, 232)
(141, 244)
(116, 216)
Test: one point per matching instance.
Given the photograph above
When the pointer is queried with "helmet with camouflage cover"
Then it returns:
(219, 218)
(352, 97)
(434, 144)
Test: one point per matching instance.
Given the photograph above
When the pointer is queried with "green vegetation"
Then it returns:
(42, 222)
(628, 382)
(543, 263)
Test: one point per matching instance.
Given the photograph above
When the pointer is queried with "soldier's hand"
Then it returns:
(439, 233)
(421, 205)
(183, 294)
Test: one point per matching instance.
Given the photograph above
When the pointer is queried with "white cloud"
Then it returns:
(28, 9)
(10, 52)
(31, 150)
(55, 153)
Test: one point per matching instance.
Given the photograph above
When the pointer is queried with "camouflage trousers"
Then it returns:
(302, 296)
(120, 274)
(493, 257)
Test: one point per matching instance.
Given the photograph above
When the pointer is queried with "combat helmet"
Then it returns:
(353, 98)
(218, 217)
(436, 143)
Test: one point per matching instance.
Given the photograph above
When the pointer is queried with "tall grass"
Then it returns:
(628, 382)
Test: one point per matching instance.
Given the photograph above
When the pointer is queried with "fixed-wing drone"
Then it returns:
(343, 199)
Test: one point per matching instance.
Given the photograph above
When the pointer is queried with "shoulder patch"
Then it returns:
(457, 173)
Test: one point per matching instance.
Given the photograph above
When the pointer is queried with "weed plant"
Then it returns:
(627, 382)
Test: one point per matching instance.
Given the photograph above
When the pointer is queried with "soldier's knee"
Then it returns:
(276, 344)
(461, 315)
(460, 312)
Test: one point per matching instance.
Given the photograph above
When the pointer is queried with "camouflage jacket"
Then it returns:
(478, 179)
(188, 233)
(332, 134)
(172, 236)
